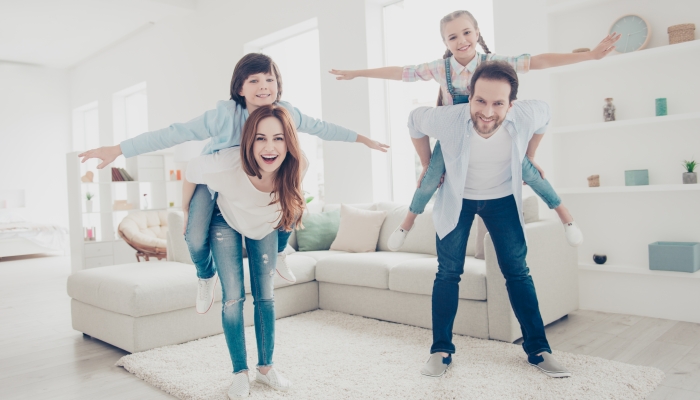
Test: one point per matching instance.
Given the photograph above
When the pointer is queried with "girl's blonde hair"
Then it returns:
(449, 17)
(287, 185)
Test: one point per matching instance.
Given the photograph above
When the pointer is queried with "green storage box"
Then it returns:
(674, 256)
(637, 177)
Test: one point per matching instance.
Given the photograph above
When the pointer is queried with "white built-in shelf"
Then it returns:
(623, 269)
(624, 123)
(659, 53)
(631, 189)
(570, 5)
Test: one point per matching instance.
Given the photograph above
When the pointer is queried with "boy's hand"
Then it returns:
(107, 154)
(605, 46)
(372, 144)
(342, 75)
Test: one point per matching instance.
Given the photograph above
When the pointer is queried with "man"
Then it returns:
(484, 143)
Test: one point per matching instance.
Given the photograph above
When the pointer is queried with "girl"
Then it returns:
(460, 33)
(256, 82)
(259, 192)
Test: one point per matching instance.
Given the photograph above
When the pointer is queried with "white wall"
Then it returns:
(187, 63)
(34, 136)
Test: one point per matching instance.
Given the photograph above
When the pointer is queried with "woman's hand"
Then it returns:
(372, 144)
(107, 154)
(605, 46)
(343, 75)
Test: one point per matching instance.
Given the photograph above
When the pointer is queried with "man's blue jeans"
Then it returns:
(227, 252)
(430, 181)
(501, 218)
(197, 234)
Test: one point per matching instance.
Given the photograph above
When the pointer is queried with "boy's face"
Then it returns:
(489, 104)
(259, 90)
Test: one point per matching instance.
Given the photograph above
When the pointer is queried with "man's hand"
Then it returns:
(534, 164)
(605, 46)
(107, 154)
(343, 75)
(422, 174)
(372, 144)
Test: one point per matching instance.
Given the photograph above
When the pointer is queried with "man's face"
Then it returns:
(489, 104)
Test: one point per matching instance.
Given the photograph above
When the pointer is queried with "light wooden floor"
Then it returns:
(42, 357)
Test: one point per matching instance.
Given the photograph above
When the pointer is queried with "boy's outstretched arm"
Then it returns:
(549, 60)
(394, 73)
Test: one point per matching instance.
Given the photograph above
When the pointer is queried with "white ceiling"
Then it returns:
(61, 33)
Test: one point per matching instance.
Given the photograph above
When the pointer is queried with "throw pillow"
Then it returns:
(359, 230)
(319, 230)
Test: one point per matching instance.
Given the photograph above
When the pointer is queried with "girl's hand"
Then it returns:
(605, 46)
(107, 154)
(342, 75)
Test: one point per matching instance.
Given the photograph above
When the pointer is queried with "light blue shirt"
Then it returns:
(453, 127)
(224, 125)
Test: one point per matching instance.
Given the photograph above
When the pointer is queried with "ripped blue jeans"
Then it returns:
(227, 251)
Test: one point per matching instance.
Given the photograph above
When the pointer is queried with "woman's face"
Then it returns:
(269, 147)
(461, 37)
(259, 90)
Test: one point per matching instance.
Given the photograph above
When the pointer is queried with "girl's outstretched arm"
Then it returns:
(372, 144)
(394, 73)
(549, 60)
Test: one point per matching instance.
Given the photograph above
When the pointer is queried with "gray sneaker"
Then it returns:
(549, 365)
(436, 365)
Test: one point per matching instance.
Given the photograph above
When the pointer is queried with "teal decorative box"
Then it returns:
(674, 256)
(637, 177)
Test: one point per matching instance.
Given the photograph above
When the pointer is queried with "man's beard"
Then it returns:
(477, 120)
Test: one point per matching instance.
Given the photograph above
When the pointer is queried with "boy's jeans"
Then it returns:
(501, 218)
(197, 234)
(227, 252)
(431, 180)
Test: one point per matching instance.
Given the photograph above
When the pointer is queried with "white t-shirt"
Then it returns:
(489, 174)
(245, 208)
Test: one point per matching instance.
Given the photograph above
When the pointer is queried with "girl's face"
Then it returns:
(259, 90)
(461, 37)
(269, 147)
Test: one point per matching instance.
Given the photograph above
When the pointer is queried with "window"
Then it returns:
(411, 36)
(86, 130)
(302, 87)
(130, 107)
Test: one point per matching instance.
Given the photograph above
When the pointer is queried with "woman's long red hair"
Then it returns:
(287, 184)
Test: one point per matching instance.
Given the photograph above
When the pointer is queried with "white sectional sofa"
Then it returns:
(140, 306)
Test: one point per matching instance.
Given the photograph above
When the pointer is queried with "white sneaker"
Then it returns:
(274, 380)
(205, 294)
(573, 234)
(240, 387)
(283, 269)
(397, 238)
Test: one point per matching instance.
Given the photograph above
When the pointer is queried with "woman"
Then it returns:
(259, 188)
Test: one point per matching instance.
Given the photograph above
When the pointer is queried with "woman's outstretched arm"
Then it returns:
(394, 73)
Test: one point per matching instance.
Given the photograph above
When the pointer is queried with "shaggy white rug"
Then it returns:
(329, 355)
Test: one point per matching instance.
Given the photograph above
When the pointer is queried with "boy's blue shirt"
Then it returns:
(224, 125)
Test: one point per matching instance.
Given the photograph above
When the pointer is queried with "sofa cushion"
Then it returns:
(320, 230)
(359, 230)
(421, 238)
(362, 269)
(321, 254)
(148, 288)
(417, 276)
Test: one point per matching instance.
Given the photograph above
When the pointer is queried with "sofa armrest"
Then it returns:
(553, 266)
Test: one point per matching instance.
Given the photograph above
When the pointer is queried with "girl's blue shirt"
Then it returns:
(224, 125)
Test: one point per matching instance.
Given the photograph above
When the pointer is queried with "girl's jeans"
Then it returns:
(431, 180)
(227, 251)
(197, 234)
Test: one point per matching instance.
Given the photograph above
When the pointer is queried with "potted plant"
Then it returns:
(88, 201)
(690, 176)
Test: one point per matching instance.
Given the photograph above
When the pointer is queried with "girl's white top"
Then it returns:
(245, 208)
